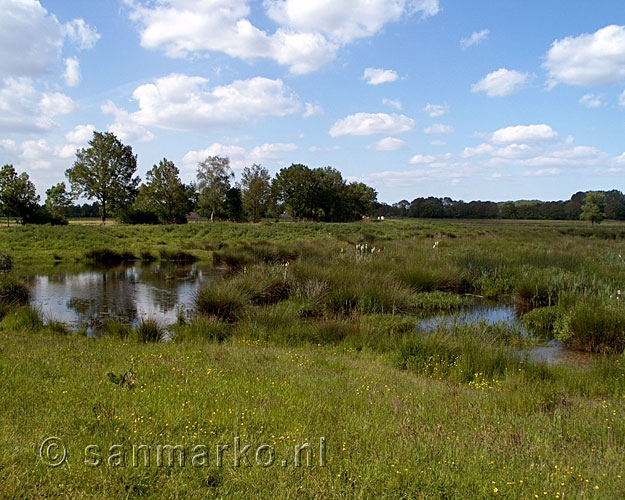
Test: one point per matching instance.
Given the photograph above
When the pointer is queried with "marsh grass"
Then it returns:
(149, 330)
(178, 256)
(6, 261)
(13, 291)
(202, 329)
(109, 257)
(223, 300)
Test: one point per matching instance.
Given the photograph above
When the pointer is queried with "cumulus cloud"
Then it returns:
(81, 34)
(309, 34)
(524, 133)
(476, 38)
(72, 74)
(481, 150)
(387, 144)
(439, 129)
(589, 59)
(32, 39)
(80, 134)
(436, 110)
(126, 127)
(24, 109)
(501, 83)
(592, 101)
(422, 159)
(312, 110)
(372, 124)
(181, 102)
(375, 76)
(265, 154)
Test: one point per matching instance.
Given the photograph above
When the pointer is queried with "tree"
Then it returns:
(165, 195)
(234, 204)
(18, 197)
(256, 190)
(214, 176)
(104, 171)
(295, 188)
(361, 200)
(592, 209)
(58, 201)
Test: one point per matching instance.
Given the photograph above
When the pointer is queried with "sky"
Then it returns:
(481, 99)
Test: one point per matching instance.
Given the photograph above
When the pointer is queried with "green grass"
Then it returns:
(310, 334)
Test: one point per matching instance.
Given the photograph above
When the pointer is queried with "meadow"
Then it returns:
(310, 337)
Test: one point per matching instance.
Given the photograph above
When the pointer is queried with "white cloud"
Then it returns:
(347, 20)
(181, 102)
(439, 129)
(308, 36)
(56, 104)
(323, 149)
(32, 39)
(393, 103)
(474, 39)
(621, 99)
(422, 159)
(271, 152)
(589, 59)
(239, 156)
(126, 127)
(81, 34)
(371, 124)
(592, 101)
(81, 134)
(23, 109)
(312, 110)
(72, 74)
(502, 82)
(524, 133)
(387, 144)
(481, 150)
(436, 110)
(375, 76)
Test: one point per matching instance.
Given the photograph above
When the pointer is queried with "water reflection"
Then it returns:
(550, 352)
(127, 294)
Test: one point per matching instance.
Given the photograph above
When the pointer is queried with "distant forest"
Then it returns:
(446, 208)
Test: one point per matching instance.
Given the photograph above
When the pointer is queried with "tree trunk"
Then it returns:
(212, 216)
(103, 213)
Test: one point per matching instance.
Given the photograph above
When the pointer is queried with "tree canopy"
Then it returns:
(213, 175)
(18, 197)
(105, 172)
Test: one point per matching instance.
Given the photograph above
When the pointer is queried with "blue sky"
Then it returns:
(473, 100)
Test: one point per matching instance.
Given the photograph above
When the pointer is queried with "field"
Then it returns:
(310, 339)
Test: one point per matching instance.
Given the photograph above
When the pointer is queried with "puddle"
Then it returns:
(550, 352)
(125, 293)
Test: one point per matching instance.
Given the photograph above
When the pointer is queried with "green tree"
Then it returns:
(361, 200)
(592, 209)
(256, 190)
(58, 201)
(18, 197)
(295, 188)
(213, 182)
(234, 204)
(165, 195)
(104, 171)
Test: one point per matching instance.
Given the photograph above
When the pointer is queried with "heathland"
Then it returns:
(311, 336)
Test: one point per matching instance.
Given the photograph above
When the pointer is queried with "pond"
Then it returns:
(550, 352)
(89, 297)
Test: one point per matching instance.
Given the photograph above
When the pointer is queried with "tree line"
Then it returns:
(593, 206)
(105, 172)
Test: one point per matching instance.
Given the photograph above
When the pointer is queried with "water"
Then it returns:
(550, 352)
(127, 293)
